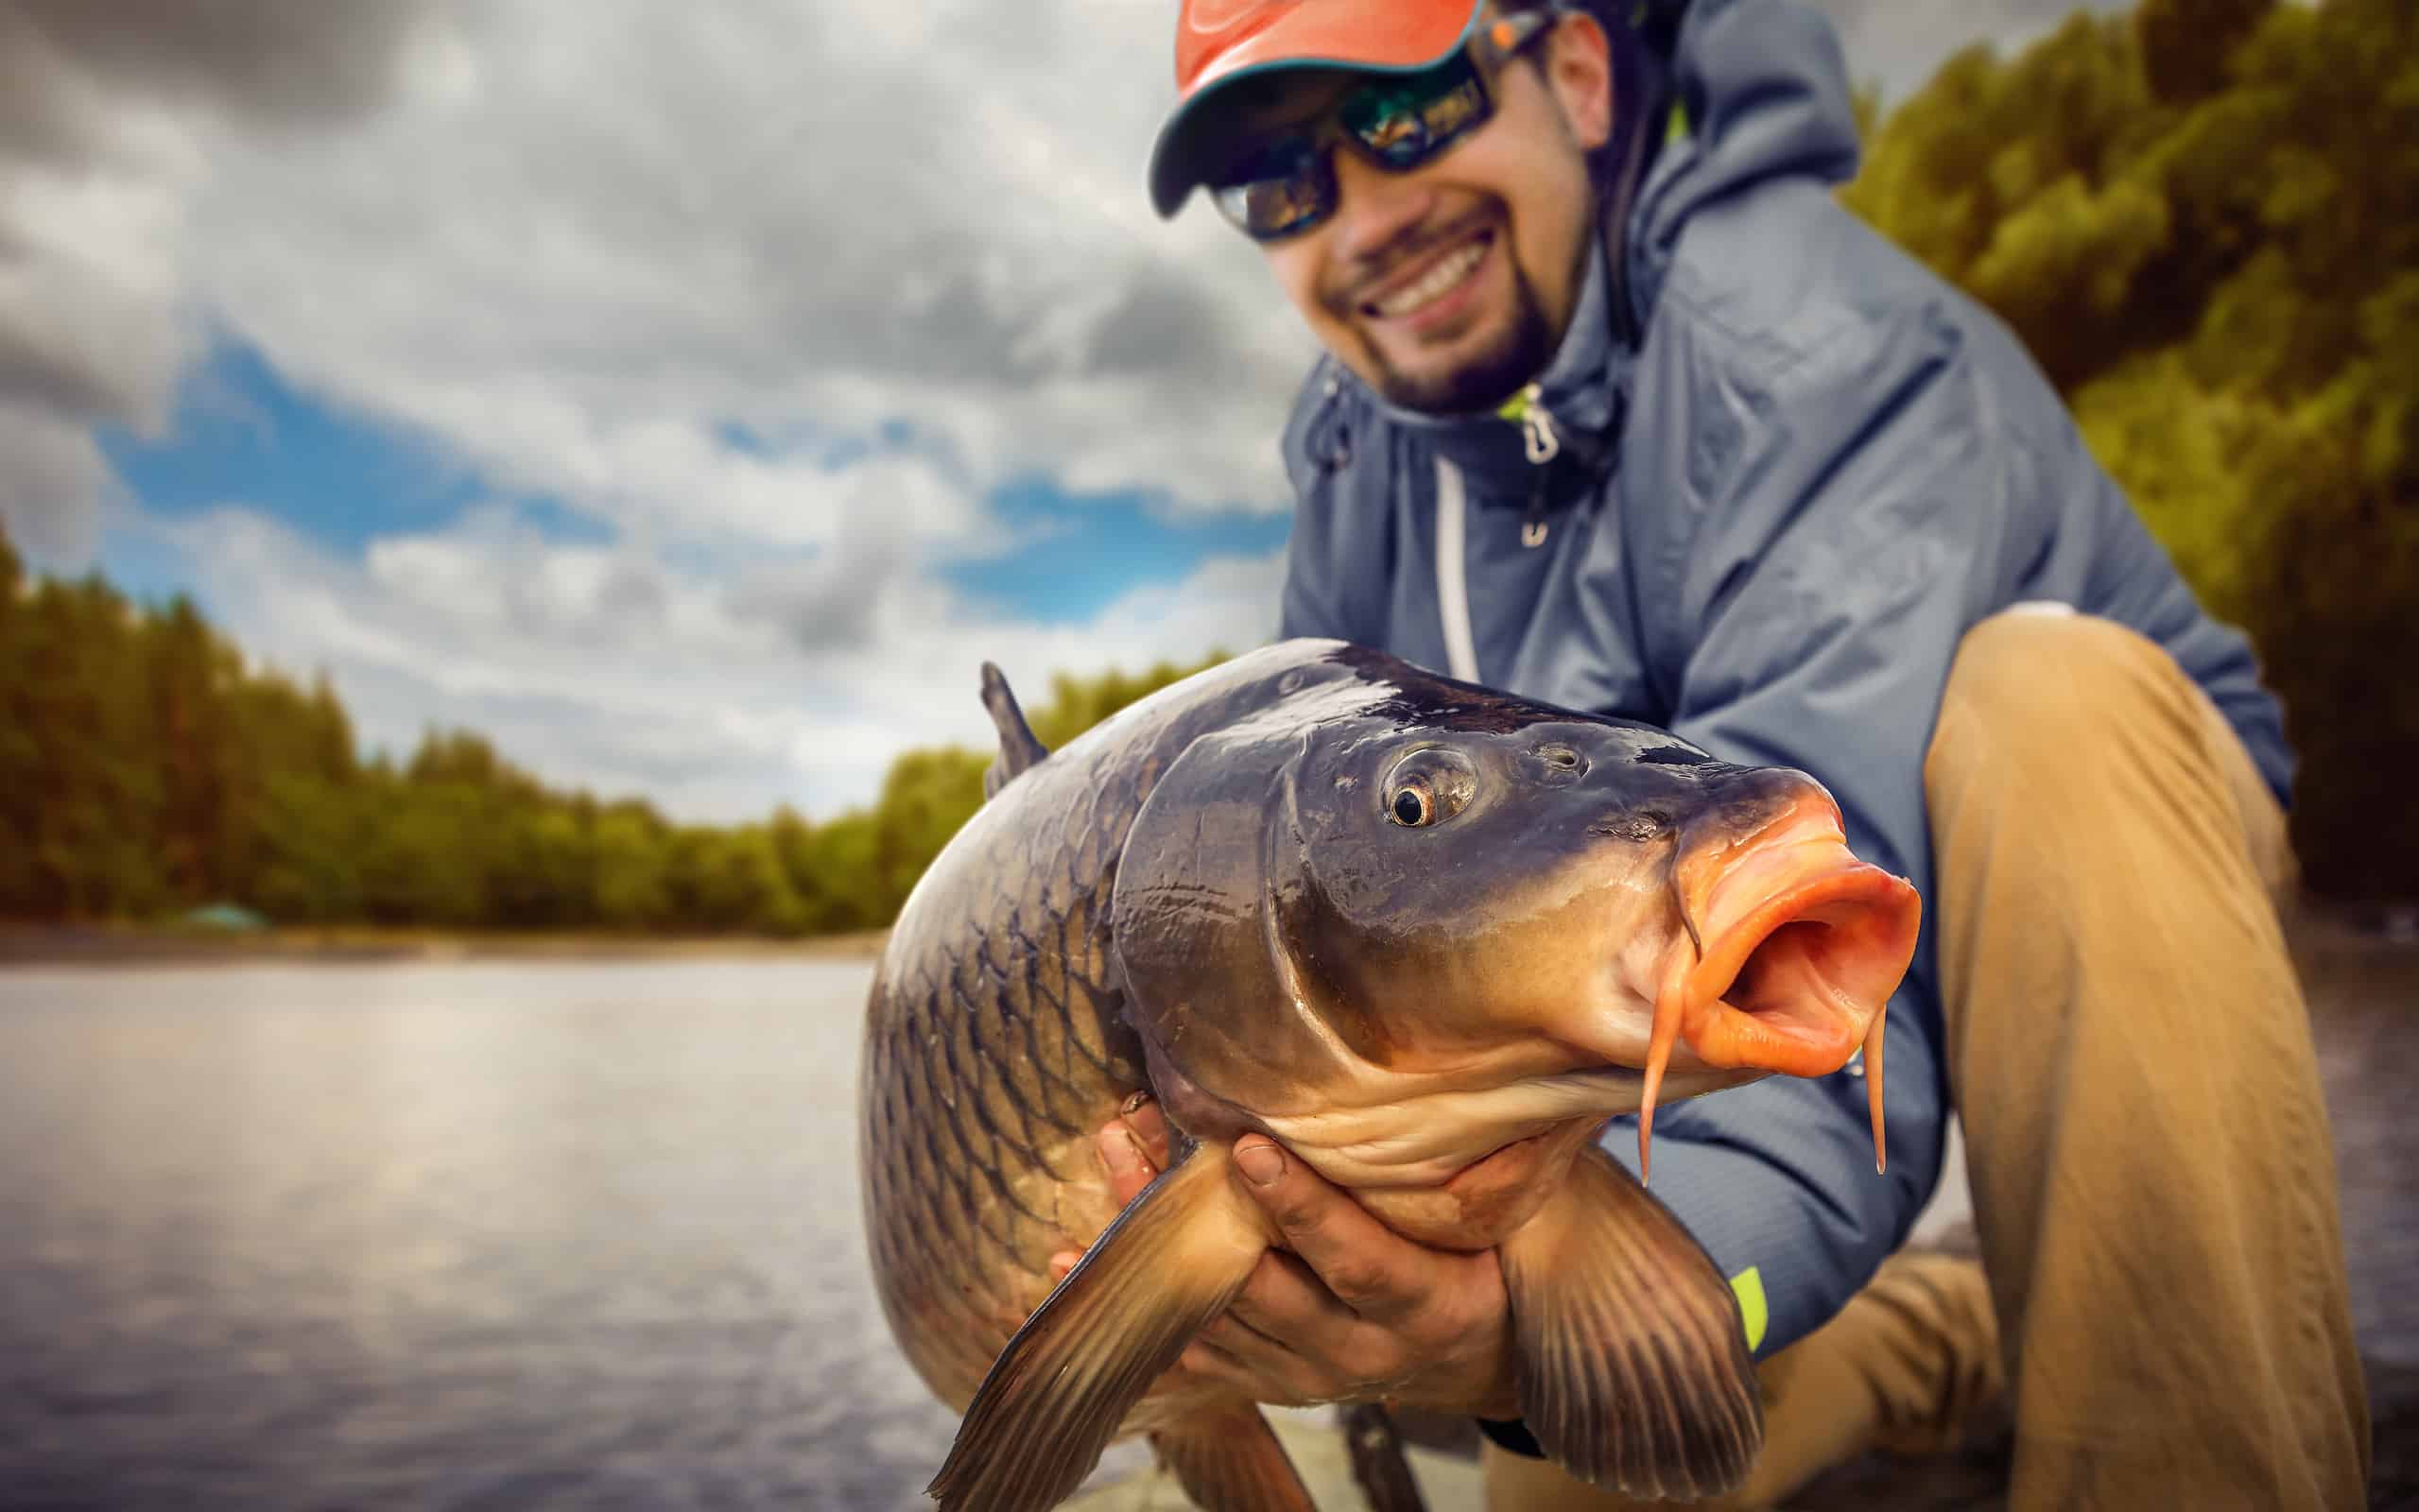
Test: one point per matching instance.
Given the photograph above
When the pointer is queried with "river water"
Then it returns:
(467, 1235)
(547, 1235)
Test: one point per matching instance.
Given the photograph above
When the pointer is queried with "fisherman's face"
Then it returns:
(1447, 288)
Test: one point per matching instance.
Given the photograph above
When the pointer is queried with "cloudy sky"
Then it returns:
(689, 397)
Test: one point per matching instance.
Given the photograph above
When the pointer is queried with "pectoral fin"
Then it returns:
(1231, 1462)
(1634, 1369)
(1056, 1395)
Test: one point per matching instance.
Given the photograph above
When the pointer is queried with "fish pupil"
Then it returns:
(1409, 808)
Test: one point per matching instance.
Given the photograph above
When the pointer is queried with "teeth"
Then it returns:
(1438, 282)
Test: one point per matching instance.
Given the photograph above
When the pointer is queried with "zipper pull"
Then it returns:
(1537, 433)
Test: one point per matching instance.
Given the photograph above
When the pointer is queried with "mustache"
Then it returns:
(1362, 278)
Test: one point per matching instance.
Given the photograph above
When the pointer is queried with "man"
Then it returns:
(1622, 411)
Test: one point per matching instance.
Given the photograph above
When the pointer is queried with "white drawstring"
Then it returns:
(1452, 588)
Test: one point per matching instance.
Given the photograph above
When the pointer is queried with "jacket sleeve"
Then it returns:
(1875, 503)
(1309, 605)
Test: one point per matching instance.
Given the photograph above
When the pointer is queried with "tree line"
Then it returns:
(146, 769)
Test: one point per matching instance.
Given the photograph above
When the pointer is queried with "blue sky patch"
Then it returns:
(1074, 555)
(243, 435)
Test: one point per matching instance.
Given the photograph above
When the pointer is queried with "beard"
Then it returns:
(1488, 377)
(1508, 363)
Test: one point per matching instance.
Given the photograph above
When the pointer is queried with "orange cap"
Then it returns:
(1218, 41)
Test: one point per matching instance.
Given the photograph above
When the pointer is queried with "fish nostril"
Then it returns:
(1561, 757)
(1646, 825)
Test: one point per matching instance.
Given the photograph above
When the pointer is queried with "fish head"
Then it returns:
(1432, 942)
(1441, 893)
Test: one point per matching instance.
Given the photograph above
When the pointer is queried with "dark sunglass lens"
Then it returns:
(1271, 208)
(1275, 191)
(1456, 111)
(1406, 121)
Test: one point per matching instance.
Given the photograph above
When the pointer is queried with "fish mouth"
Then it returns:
(1795, 985)
(1793, 948)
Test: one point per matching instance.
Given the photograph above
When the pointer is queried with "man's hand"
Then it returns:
(1356, 1312)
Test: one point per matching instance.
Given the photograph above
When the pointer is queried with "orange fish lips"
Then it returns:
(1794, 948)
(1795, 984)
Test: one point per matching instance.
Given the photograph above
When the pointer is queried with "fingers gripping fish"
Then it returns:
(1429, 938)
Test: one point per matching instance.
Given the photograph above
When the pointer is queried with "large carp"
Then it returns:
(1429, 937)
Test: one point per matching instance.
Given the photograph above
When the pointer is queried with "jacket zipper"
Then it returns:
(1541, 442)
(1538, 436)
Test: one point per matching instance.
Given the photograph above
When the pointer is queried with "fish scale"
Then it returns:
(1020, 986)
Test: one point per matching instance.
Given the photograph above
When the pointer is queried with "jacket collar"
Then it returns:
(1578, 400)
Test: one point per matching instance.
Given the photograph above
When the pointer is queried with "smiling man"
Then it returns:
(1622, 411)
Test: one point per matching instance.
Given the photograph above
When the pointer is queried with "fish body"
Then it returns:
(1427, 935)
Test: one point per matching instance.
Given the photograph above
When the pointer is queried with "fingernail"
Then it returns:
(1262, 1162)
(1135, 1104)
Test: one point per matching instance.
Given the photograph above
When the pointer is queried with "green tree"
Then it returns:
(191, 675)
(311, 833)
(93, 809)
(728, 881)
(926, 797)
(19, 750)
(633, 849)
(838, 874)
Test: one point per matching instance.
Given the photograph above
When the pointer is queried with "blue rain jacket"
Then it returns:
(1765, 525)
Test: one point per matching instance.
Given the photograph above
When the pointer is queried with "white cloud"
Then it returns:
(52, 483)
(574, 251)
(609, 668)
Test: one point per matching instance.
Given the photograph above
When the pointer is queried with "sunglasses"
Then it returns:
(1285, 184)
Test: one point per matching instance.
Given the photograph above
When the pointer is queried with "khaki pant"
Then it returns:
(2165, 1316)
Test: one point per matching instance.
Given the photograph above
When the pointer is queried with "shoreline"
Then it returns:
(2326, 929)
(113, 944)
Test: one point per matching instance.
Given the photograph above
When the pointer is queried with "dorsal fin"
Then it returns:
(1018, 749)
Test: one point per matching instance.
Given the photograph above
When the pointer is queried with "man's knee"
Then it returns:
(2030, 663)
(2036, 685)
(1514, 1484)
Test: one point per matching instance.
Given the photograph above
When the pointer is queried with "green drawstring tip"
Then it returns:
(1754, 1312)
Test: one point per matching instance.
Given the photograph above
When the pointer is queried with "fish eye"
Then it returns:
(1430, 786)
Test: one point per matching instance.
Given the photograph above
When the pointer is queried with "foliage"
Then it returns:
(2204, 222)
(145, 771)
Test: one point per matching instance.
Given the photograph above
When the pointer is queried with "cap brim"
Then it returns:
(1415, 34)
